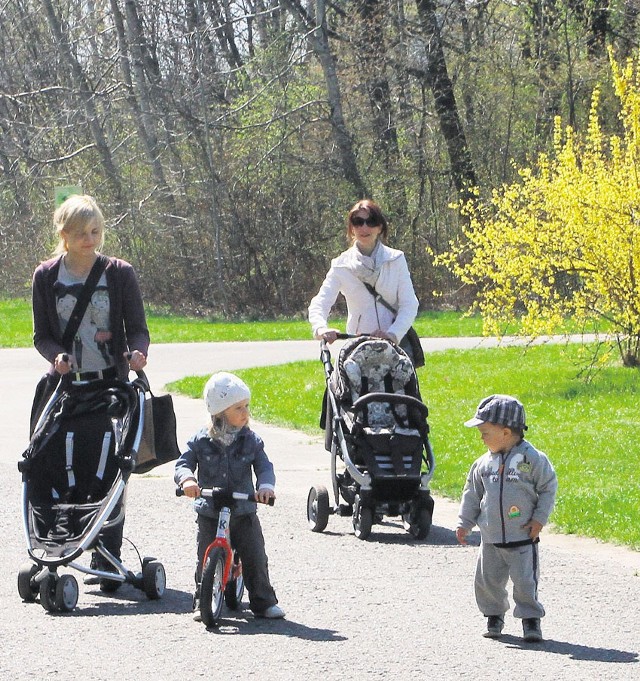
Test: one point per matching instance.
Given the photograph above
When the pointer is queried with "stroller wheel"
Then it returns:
(48, 592)
(362, 519)
(66, 596)
(27, 590)
(318, 508)
(154, 579)
(418, 524)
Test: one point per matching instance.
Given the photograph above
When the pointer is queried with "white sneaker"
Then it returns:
(273, 612)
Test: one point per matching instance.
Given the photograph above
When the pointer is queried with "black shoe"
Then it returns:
(495, 624)
(108, 585)
(93, 579)
(531, 630)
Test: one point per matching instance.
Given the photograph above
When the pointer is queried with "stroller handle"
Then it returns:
(213, 492)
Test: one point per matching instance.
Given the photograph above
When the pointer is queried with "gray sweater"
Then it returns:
(503, 492)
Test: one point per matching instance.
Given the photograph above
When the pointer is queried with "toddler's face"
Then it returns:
(237, 415)
(496, 437)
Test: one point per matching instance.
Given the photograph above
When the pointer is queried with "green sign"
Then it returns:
(61, 194)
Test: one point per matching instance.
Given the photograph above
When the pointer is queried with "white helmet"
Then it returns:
(223, 390)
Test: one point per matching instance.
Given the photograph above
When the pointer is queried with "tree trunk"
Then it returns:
(320, 44)
(86, 94)
(437, 78)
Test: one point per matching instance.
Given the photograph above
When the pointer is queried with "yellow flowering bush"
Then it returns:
(563, 241)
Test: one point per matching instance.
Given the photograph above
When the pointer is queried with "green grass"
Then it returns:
(588, 430)
(16, 330)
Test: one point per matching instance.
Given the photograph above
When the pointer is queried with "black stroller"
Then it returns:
(376, 430)
(74, 477)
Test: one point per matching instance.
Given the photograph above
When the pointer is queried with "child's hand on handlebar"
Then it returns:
(191, 489)
(263, 495)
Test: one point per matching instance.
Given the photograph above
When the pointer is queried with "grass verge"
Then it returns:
(16, 330)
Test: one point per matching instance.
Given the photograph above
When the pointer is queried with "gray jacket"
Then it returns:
(503, 492)
(227, 467)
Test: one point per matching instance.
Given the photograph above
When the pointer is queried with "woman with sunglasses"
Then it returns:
(368, 261)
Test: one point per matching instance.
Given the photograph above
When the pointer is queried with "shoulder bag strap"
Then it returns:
(379, 298)
(83, 300)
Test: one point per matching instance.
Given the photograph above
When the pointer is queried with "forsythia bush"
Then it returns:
(564, 241)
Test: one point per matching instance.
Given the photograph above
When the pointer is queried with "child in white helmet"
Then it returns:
(227, 453)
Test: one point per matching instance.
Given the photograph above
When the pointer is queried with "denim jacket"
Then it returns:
(227, 467)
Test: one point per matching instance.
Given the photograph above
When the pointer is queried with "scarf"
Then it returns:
(223, 432)
(366, 267)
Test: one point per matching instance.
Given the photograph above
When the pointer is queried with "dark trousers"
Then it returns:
(247, 538)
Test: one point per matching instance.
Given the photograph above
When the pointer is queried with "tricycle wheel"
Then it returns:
(212, 587)
(26, 588)
(154, 579)
(318, 508)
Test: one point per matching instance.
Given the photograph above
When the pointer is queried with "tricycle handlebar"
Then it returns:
(213, 492)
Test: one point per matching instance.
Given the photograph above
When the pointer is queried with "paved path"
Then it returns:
(387, 608)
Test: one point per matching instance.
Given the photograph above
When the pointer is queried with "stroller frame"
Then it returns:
(39, 576)
(368, 496)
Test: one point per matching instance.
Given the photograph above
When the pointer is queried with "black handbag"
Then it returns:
(159, 442)
(47, 384)
(410, 343)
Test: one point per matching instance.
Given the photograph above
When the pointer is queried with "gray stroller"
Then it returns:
(377, 432)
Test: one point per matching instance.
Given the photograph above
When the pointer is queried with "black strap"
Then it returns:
(379, 298)
(83, 300)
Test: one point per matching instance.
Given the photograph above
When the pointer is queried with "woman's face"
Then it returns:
(83, 241)
(364, 234)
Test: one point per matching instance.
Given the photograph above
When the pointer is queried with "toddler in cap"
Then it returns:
(227, 454)
(509, 493)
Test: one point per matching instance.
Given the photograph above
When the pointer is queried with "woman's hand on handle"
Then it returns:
(137, 361)
(379, 333)
(328, 335)
(63, 363)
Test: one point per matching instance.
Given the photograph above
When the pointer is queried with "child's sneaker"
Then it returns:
(273, 612)
(197, 617)
(531, 630)
(495, 623)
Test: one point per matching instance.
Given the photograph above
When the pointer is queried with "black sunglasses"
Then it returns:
(370, 221)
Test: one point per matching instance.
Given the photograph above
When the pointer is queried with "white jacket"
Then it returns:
(364, 313)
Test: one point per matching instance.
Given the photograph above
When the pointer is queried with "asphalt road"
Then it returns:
(386, 608)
